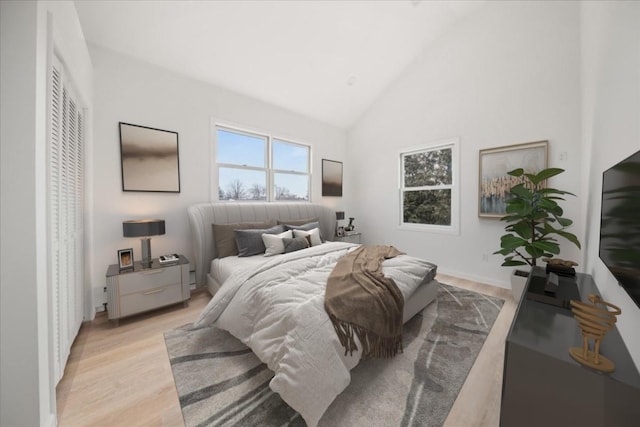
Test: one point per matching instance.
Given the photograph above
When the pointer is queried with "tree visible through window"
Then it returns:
(259, 167)
(428, 193)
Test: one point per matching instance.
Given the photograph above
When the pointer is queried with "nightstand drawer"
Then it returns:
(350, 238)
(146, 287)
(149, 279)
(150, 299)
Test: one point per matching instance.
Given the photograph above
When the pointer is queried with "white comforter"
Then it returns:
(279, 313)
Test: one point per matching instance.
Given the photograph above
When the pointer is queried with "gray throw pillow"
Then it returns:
(250, 241)
(306, 227)
(298, 221)
(225, 238)
(295, 244)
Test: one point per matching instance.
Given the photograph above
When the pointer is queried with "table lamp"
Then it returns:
(143, 228)
(339, 217)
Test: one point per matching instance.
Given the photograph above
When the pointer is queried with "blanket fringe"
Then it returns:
(373, 345)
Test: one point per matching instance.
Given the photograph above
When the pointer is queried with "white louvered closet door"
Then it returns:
(65, 204)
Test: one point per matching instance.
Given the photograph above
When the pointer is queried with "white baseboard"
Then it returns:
(92, 314)
(52, 420)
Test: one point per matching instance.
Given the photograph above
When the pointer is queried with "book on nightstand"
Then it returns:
(165, 259)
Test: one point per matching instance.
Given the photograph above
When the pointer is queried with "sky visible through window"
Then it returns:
(241, 149)
(250, 150)
(290, 157)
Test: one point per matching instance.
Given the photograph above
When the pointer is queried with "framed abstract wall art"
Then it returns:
(150, 159)
(331, 178)
(494, 181)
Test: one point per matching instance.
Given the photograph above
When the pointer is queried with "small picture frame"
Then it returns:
(125, 259)
(340, 231)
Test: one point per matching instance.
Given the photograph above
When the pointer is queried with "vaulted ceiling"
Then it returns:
(328, 60)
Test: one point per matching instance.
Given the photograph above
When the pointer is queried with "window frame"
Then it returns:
(453, 144)
(274, 171)
(268, 169)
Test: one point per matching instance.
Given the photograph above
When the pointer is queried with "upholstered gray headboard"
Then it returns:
(203, 215)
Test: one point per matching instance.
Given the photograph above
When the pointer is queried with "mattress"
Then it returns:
(222, 268)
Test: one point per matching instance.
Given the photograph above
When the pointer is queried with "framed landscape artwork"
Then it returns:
(149, 159)
(331, 178)
(494, 181)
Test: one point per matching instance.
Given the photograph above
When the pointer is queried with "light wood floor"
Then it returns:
(122, 377)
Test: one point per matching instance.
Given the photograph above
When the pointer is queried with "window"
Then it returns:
(429, 187)
(253, 166)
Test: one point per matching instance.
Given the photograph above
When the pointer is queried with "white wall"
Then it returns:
(611, 129)
(507, 74)
(30, 31)
(22, 286)
(132, 91)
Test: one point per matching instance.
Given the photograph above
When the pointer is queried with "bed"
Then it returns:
(275, 304)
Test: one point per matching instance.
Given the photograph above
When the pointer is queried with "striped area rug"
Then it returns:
(220, 382)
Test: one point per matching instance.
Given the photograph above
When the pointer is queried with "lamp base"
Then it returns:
(589, 359)
(146, 252)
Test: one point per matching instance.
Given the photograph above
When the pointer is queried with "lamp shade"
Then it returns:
(143, 227)
(339, 215)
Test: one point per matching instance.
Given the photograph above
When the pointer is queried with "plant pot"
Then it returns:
(518, 282)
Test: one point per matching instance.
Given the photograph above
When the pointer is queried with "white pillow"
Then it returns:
(313, 234)
(274, 244)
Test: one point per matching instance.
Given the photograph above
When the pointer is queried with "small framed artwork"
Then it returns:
(340, 231)
(149, 159)
(125, 258)
(494, 182)
(331, 178)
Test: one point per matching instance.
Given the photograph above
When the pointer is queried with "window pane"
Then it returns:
(240, 149)
(291, 187)
(290, 157)
(428, 168)
(242, 184)
(427, 207)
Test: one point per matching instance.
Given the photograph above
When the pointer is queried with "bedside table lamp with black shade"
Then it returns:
(144, 228)
(339, 217)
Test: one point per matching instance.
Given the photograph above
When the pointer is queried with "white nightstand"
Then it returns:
(142, 289)
(350, 237)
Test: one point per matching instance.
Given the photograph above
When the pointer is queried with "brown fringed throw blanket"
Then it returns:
(360, 299)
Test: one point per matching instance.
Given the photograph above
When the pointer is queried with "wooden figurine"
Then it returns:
(595, 320)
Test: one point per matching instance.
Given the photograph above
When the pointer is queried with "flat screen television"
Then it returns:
(620, 224)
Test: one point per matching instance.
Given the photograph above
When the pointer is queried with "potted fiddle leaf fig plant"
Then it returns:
(534, 221)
